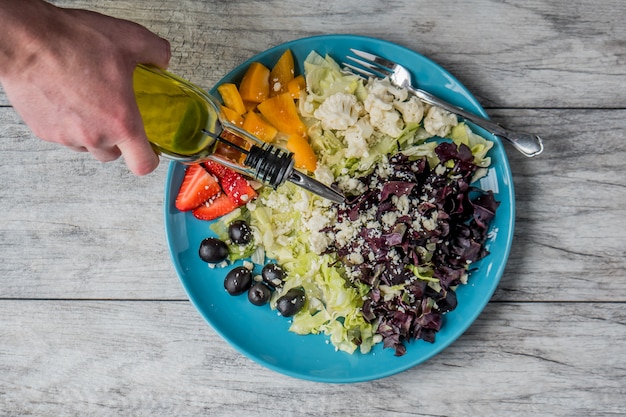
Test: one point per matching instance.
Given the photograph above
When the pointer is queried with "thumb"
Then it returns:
(139, 156)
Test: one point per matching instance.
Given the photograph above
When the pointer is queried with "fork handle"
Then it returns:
(528, 144)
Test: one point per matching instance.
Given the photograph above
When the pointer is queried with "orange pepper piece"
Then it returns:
(250, 106)
(231, 97)
(281, 111)
(255, 84)
(255, 123)
(296, 85)
(281, 73)
(232, 116)
(303, 155)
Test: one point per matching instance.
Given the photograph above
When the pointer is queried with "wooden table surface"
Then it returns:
(94, 320)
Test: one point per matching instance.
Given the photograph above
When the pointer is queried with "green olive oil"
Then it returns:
(176, 114)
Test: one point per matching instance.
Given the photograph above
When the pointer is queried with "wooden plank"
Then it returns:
(523, 54)
(75, 228)
(160, 359)
(569, 242)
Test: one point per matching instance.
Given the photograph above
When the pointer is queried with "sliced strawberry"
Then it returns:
(215, 207)
(236, 187)
(216, 169)
(197, 187)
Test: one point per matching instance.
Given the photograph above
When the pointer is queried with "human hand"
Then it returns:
(68, 74)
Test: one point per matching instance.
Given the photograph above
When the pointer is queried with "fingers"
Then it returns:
(140, 159)
(139, 156)
(78, 148)
(151, 49)
(105, 155)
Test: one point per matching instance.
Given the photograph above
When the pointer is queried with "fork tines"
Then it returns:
(374, 66)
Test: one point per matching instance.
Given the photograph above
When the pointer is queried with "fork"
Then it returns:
(374, 66)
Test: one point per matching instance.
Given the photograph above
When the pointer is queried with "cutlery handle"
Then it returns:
(528, 144)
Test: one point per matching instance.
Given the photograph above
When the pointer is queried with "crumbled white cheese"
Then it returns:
(389, 218)
(276, 201)
(317, 221)
(402, 204)
(440, 170)
(350, 185)
(355, 258)
(324, 175)
(319, 242)
(430, 224)
(301, 203)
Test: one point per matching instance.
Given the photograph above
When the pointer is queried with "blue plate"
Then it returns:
(259, 332)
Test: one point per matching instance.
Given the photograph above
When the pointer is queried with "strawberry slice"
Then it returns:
(235, 186)
(197, 187)
(215, 207)
(216, 169)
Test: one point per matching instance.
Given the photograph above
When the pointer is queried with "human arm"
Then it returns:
(68, 74)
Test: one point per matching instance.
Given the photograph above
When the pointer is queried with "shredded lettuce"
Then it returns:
(332, 306)
(479, 146)
(324, 78)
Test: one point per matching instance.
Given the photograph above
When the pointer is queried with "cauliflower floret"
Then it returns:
(375, 101)
(388, 121)
(356, 137)
(357, 145)
(379, 105)
(384, 90)
(412, 110)
(439, 122)
(339, 111)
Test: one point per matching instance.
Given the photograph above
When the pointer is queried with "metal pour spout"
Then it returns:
(315, 186)
(274, 166)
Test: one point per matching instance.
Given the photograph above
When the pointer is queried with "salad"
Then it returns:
(383, 266)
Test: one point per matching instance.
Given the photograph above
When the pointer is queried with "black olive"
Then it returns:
(239, 232)
(273, 275)
(290, 303)
(238, 280)
(213, 250)
(259, 294)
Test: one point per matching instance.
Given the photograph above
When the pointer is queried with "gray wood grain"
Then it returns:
(93, 318)
(518, 359)
(520, 54)
(64, 230)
